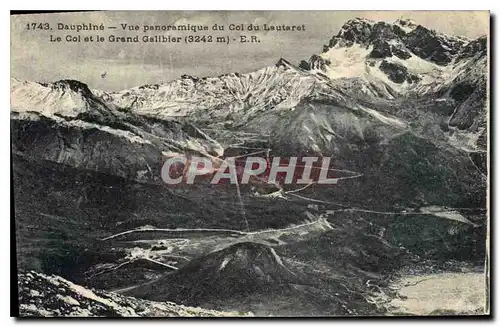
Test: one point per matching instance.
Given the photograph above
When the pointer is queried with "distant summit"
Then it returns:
(73, 85)
(402, 35)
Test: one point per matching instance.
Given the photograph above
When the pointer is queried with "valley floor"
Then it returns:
(440, 294)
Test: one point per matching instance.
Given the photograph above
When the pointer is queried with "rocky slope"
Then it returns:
(41, 295)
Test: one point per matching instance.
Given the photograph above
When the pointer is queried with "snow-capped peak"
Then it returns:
(284, 63)
(67, 98)
(402, 35)
(392, 58)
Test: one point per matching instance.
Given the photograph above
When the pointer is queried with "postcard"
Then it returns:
(251, 163)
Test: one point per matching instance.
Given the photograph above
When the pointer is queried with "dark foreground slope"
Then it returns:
(42, 295)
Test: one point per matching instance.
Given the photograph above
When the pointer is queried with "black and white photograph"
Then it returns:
(250, 163)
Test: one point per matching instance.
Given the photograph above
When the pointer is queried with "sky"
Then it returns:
(35, 58)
